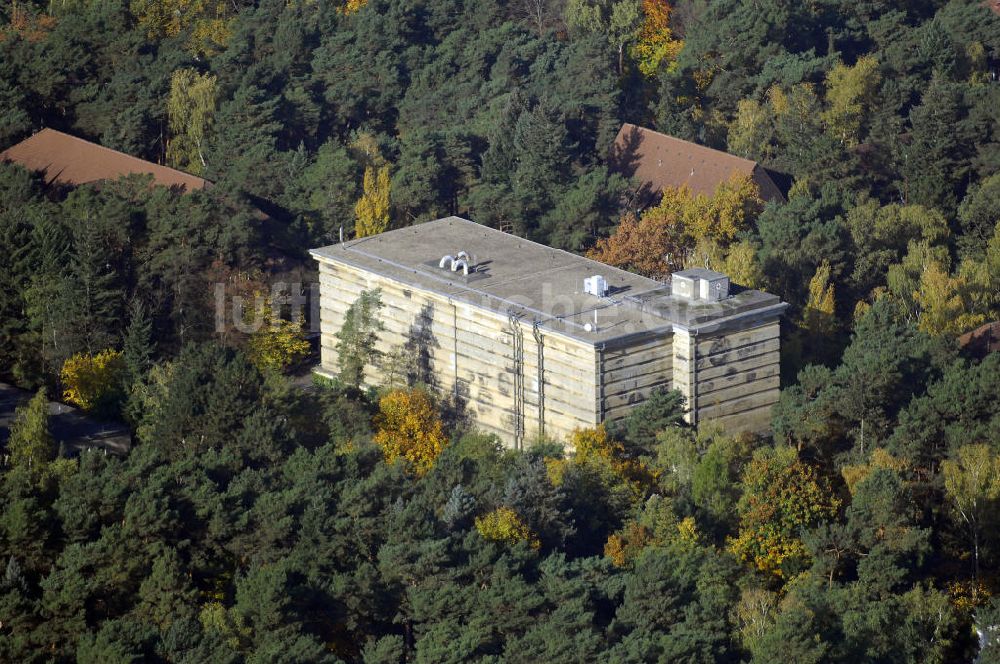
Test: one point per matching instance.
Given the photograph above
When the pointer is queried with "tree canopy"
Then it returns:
(262, 517)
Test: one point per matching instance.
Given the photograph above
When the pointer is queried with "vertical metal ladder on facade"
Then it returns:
(518, 369)
(536, 331)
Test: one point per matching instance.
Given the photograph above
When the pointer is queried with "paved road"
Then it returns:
(73, 430)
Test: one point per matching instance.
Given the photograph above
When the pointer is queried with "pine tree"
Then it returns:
(661, 410)
(541, 144)
(50, 309)
(167, 593)
(460, 506)
(935, 160)
(492, 197)
(93, 293)
(358, 335)
(137, 350)
(20, 613)
(244, 133)
(18, 262)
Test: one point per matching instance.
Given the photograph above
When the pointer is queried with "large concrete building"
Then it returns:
(535, 341)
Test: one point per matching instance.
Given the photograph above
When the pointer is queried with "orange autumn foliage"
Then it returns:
(655, 42)
(33, 28)
(665, 237)
(655, 526)
(652, 246)
(624, 546)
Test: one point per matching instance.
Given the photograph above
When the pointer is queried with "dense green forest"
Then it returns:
(257, 520)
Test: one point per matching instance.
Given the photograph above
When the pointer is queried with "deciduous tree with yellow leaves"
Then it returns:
(190, 108)
(31, 445)
(655, 526)
(31, 449)
(750, 131)
(208, 22)
(277, 343)
(944, 302)
(850, 93)
(972, 482)
(742, 265)
(880, 460)
(819, 317)
(665, 238)
(409, 428)
(594, 448)
(721, 217)
(781, 495)
(754, 614)
(351, 6)
(372, 209)
(655, 42)
(504, 525)
(94, 382)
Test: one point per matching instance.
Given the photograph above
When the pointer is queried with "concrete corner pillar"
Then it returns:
(685, 370)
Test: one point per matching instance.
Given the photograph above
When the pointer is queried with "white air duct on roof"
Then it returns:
(459, 260)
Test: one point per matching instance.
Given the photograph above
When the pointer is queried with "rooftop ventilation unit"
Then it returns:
(596, 286)
(459, 261)
(699, 284)
(683, 286)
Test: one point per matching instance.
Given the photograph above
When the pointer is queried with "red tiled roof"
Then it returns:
(70, 160)
(994, 6)
(660, 161)
(982, 340)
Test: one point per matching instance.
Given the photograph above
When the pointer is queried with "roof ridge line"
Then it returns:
(697, 145)
(112, 150)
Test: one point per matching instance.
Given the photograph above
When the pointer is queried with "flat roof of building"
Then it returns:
(66, 159)
(538, 283)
